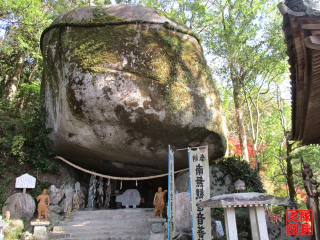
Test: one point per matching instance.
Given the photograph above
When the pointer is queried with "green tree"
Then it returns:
(244, 39)
(22, 129)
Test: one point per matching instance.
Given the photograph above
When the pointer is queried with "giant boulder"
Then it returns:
(121, 83)
(20, 206)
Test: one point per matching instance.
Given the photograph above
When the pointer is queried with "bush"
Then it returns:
(13, 230)
(240, 169)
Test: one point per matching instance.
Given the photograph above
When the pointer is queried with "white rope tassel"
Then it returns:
(121, 185)
(137, 183)
(108, 181)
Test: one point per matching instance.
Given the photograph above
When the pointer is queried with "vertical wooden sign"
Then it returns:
(199, 182)
(171, 197)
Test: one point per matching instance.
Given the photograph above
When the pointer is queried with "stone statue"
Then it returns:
(44, 201)
(314, 203)
(92, 191)
(158, 202)
(311, 187)
(107, 192)
(100, 193)
(213, 229)
(307, 175)
(76, 203)
(315, 186)
(67, 218)
(306, 171)
(7, 215)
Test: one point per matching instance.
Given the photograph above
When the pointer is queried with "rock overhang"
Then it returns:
(116, 102)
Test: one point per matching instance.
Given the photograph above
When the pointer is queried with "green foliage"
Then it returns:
(240, 169)
(4, 182)
(13, 230)
(22, 128)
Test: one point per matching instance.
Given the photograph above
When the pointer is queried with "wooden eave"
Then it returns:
(302, 36)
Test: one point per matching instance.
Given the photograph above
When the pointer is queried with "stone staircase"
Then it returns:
(119, 224)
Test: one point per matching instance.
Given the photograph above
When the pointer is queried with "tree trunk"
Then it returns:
(239, 116)
(292, 191)
(13, 83)
(256, 162)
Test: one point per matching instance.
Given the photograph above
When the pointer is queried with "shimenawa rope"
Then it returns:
(116, 178)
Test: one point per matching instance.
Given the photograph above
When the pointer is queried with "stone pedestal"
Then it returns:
(157, 228)
(40, 230)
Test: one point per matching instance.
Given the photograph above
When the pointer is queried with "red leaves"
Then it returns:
(234, 146)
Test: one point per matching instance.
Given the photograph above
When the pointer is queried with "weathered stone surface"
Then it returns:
(55, 194)
(157, 227)
(54, 219)
(68, 199)
(156, 236)
(183, 210)
(67, 176)
(20, 206)
(55, 209)
(220, 181)
(41, 232)
(83, 193)
(117, 95)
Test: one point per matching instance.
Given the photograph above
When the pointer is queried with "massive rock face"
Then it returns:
(121, 83)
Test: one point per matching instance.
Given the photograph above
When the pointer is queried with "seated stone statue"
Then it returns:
(158, 202)
(44, 201)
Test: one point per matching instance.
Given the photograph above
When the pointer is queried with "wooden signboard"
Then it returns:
(25, 181)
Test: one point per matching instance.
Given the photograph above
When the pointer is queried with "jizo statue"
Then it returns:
(158, 202)
(76, 203)
(67, 217)
(44, 201)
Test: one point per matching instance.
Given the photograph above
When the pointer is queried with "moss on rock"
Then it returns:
(159, 54)
(134, 85)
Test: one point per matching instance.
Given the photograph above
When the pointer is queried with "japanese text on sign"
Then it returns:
(200, 189)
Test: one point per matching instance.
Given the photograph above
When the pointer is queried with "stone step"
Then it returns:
(129, 224)
(109, 217)
(103, 225)
(114, 211)
(58, 236)
(102, 233)
(103, 221)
